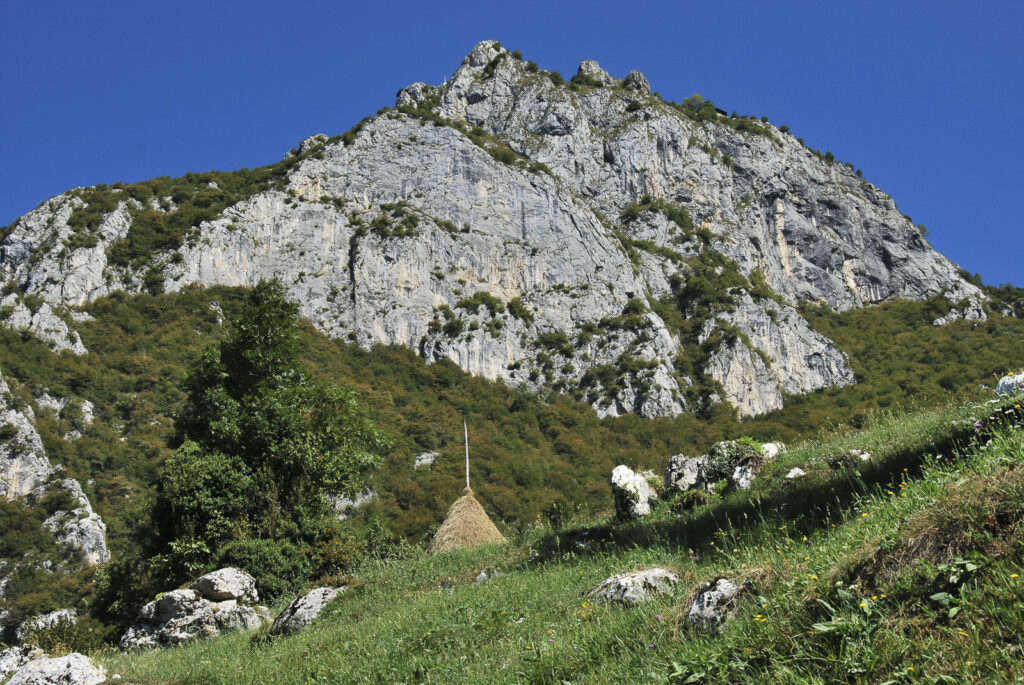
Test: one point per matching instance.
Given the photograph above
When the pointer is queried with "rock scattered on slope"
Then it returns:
(632, 493)
(303, 610)
(1011, 384)
(636, 587)
(425, 459)
(733, 461)
(43, 324)
(46, 621)
(177, 617)
(15, 657)
(713, 604)
(795, 472)
(773, 449)
(73, 669)
(227, 584)
(221, 601)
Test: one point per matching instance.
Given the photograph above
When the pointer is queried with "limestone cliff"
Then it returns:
(586, 237)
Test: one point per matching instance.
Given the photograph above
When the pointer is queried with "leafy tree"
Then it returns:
(260, 445)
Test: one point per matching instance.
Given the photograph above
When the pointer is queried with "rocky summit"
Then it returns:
(584, 236)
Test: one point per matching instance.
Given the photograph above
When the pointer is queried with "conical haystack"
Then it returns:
(465, 526)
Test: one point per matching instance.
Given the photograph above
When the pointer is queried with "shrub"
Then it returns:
(685, 501)
(278, 566)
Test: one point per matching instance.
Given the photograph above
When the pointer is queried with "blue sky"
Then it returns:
(925, 97)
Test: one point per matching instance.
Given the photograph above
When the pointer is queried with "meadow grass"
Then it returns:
(904, 569)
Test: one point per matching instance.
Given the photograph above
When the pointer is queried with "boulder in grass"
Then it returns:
(73, 669)
(226, 584)
(713, 604)
(177, 617)
(633, 588)
(632, 493)
(795, 472)
(1013, 384)
(772, 449)
(301, 612)
(15, 657)
(230, 618)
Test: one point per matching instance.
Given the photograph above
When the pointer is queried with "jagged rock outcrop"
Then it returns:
(23, 463)
(732, 461)
(500, 186)
(636, 587)
(220, 601)
(303, 610)
(81, 528)
(178, 616)
(45, 622)
(43, 324)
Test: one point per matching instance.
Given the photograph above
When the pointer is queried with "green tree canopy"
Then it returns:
(260, 446)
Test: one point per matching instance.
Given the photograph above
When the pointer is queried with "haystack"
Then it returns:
(465, 526)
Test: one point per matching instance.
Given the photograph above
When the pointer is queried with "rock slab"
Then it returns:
(225, 584)
(73, 669)
(303, 610)
(633, 588)
(712, 605)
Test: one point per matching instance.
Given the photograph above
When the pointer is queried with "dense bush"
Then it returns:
(280, 568)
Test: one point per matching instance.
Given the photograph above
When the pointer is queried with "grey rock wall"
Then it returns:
(554, 241)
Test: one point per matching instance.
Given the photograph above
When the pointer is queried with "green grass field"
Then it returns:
(905, 569)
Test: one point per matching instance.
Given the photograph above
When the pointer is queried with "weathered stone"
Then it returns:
(177, 617)
(13, 658)
(636, 81)
(591, 69)
(773, 449)
(685, 473)
(861, 455)
(45, 622)
(795, 472)
(81, 528)
(813, 230)
(1012, 384)
(227, 584)
(425, 459)
(343, 506)
(632, 588)
(713, 604)
(632, 493)
(303, 610)
(73, 669)
(241, 618)
(23, 463)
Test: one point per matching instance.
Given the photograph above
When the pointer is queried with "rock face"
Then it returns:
(23, 463)
(80, 528)
(579, 205)
(712, 605)
(43, 324)
(632, 588)
(227, 584)
(301, 612)
(632, 492)
(73, 669)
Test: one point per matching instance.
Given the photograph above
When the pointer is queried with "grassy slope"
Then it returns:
(532, 460)
(841, 570)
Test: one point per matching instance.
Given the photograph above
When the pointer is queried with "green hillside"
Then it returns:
(904, 570)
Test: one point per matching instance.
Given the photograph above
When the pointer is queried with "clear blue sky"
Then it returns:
(926, 97)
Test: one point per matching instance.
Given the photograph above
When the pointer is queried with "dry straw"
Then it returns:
(467, 524)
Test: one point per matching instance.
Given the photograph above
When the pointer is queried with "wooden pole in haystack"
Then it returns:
(466, 524)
